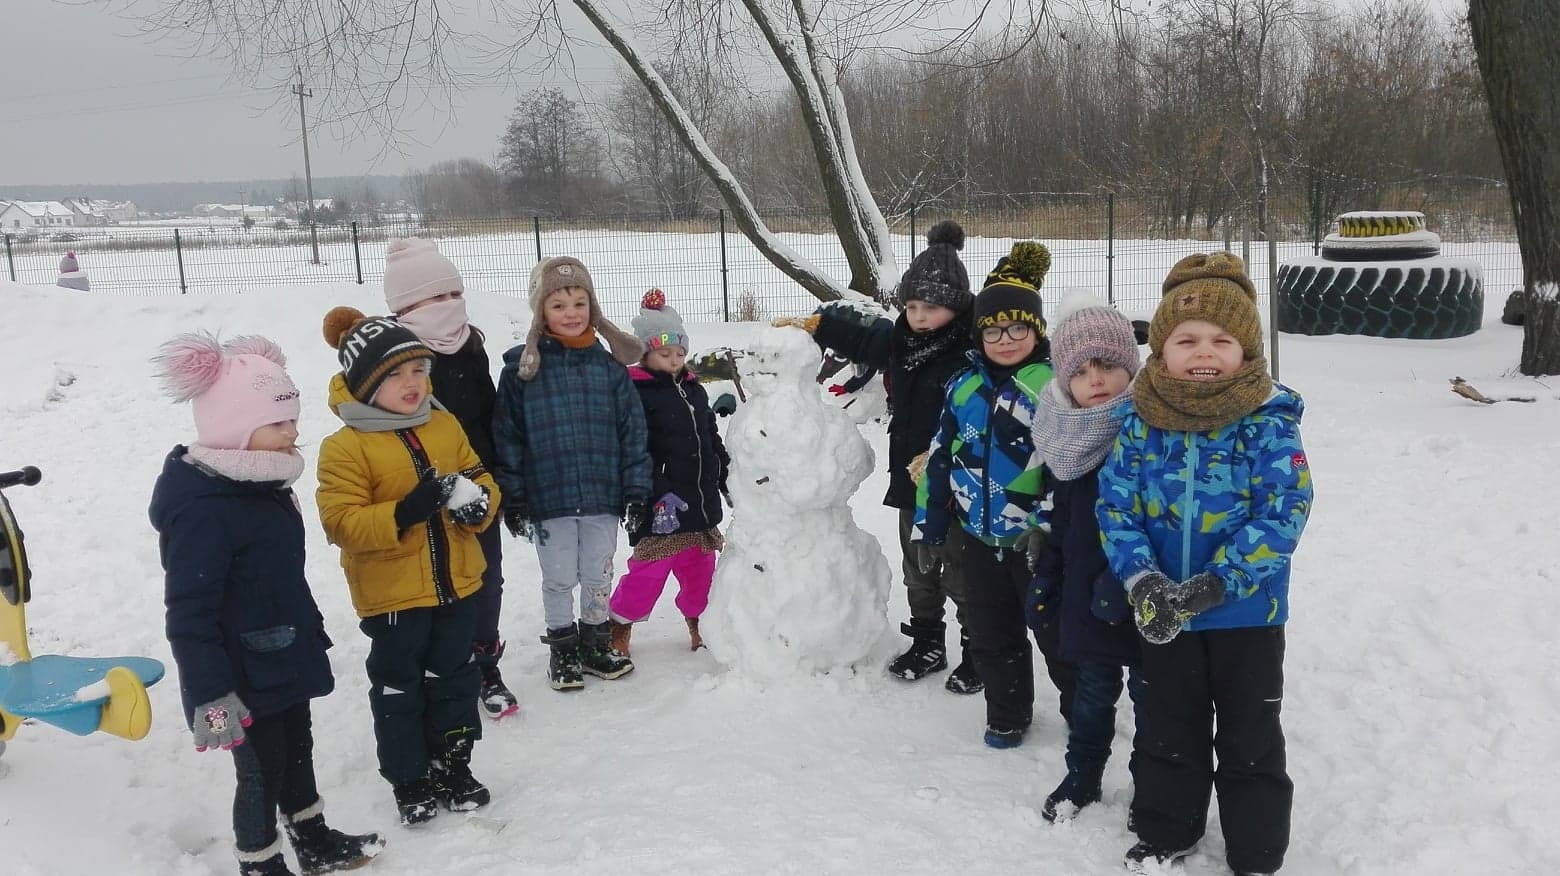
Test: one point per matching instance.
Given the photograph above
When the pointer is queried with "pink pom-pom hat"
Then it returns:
(234, 388)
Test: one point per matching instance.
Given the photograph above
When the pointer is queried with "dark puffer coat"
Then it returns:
(916, 398)
(240, 616)
(1083, 594)
(463, 383)
(686, 453)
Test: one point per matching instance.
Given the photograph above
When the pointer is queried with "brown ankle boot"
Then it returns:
(620, 637)
(695, 641)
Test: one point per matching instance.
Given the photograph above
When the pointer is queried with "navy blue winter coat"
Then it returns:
(1076, 582)
(464, 385)
(240, 616)
(571, 441)
(686, 454)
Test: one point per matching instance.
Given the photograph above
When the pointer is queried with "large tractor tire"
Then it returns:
(1428, 299)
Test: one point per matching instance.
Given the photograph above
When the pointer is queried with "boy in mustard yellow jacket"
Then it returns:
(403, 495)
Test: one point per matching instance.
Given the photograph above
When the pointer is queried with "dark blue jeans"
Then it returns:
(1094, 714)
(275, 768)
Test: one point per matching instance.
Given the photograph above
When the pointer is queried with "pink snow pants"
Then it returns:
(642, 584)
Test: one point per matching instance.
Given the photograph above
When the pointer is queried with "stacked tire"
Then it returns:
(1381, 275)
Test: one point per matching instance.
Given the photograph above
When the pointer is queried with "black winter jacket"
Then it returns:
(463, 383)
(1096, 623)
(686, 453)
(915, 397)
(240, 616)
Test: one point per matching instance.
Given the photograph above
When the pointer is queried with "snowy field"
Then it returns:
(1422, 713)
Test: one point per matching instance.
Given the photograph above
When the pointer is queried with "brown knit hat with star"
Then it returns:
(1213, 288)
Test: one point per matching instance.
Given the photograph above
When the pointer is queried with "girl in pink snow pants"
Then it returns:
(689, 465)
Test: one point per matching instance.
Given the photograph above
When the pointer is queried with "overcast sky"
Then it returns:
(88, 99)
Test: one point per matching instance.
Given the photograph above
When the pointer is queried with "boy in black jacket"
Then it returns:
(921, 351)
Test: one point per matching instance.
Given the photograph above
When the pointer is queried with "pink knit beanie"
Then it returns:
(415, 271)
(1087, 328)
(235, 388)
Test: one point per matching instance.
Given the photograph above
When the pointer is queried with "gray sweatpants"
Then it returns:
(576, 550)
(928, 593)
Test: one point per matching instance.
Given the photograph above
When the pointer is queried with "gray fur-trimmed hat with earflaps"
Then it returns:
(564, 272)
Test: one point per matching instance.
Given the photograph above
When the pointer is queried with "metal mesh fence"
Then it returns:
(1117, 246)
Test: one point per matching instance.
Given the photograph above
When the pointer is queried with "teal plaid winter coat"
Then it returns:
(1232, 501)
(571, 441)
(980, 466)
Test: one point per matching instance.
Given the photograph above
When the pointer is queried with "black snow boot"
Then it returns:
(453, 782)
(495, 698)
(265, 862)
(596, 654)
(963, 679)
(928, 651)
(563, 666)
(416, 801)
(1075, 792)
(323, 849)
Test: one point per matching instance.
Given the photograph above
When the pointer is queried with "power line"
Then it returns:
(129, 107)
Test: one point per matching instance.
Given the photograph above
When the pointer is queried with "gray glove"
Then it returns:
(929, 557)
(1199, 593)
(1153, 608)
(220, 723)
(1033, 542)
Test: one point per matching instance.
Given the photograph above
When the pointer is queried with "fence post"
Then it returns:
(536, 229)
(357, 256)
(1273, 303)
(178, 253)
(912, 231)
(725, 281)
(1110, 248)
(1316, 218)
(10, 261)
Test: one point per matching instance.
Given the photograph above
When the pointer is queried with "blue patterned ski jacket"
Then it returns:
(1245, 488)
(570, 442)
(981, 458)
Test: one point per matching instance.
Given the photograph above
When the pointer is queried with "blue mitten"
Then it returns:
(1040, 601)
(1109, 602)
(666, 511)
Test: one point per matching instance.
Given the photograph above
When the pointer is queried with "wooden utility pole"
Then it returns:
(308, 174)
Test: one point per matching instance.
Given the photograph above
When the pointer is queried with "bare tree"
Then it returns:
(461, 189)
(1518, 45)
(549, 155)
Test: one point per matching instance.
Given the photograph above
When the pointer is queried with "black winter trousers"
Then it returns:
(275, 767)
(1211, 693)
(994, 583)
(490, 599)
(422, 684)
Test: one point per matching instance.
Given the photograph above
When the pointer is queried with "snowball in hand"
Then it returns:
(464, 493)
(800, 588)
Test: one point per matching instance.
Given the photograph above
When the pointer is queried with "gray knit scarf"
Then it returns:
(367, 418)
(1071, 441)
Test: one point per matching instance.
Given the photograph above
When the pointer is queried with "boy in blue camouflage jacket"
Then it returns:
(1202, 502)
(980, 476)
(569, 434)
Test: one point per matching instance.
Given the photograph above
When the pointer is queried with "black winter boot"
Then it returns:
(596, 654)
(928, 650)
(323, 849)
(494, 697)
(563, 666)
(265, 862)
(453, 782)
(963, 679)
(416, 801)
(1075, 792)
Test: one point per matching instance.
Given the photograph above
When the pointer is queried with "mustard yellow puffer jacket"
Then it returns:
(362, 475)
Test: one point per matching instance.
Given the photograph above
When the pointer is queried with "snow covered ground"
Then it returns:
(1423, 707)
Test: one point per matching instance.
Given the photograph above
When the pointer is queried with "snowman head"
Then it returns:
(781, 360)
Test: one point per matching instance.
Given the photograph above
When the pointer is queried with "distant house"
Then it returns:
(35, 215)
(93, 211)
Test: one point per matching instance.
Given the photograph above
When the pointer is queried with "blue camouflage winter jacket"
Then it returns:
(981, 457)
(571, 441)
(1232, 501)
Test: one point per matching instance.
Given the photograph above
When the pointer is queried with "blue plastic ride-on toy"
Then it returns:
(79, 694)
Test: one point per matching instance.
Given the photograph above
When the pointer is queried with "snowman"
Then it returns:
(800, 589)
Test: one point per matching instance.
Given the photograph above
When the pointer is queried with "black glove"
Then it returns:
(1199, 593)
(634, 516)
(1032, 542)
(724, 405)
(517, 519)
(474, 512)
(423, 501)
(1153, 608)
(928, 557)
